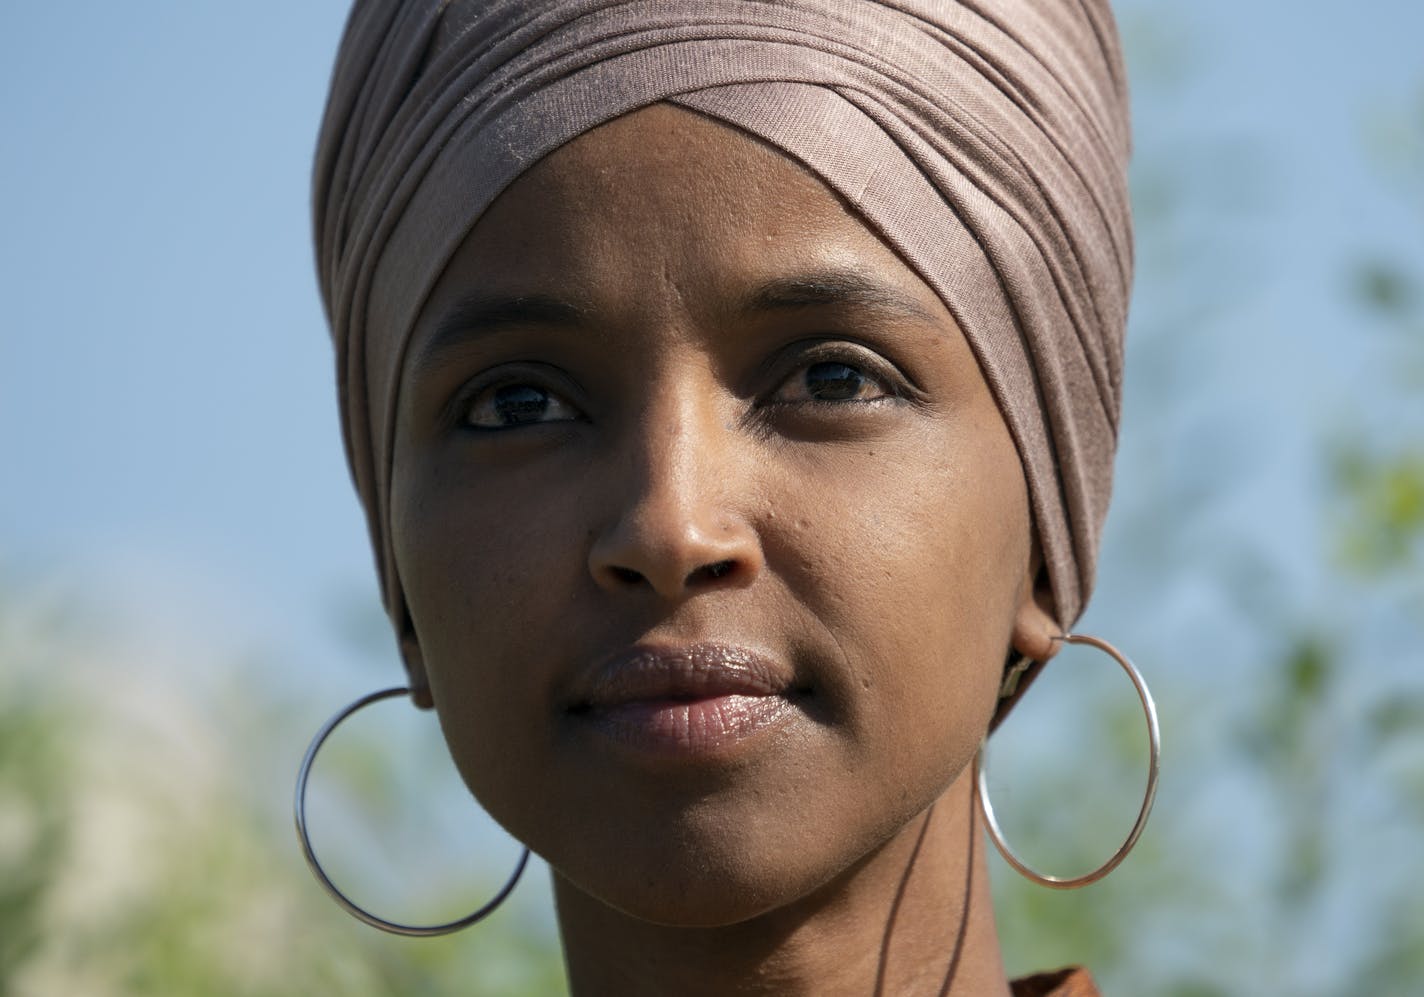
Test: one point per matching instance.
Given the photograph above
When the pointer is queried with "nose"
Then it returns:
(677, 525)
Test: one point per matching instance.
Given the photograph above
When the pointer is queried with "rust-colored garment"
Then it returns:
(1071, 982)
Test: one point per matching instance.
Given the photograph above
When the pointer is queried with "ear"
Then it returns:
(414, 659)
(1037, 632)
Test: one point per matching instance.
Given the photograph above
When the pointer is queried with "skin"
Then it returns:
(693, 398)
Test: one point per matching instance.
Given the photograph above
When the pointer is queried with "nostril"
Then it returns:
(711, 572)
(627, 575)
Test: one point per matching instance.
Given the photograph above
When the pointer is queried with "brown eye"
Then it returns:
(508, 406)
(832, 381)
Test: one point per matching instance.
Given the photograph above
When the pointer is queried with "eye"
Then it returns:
(508, 406)
(832, 381)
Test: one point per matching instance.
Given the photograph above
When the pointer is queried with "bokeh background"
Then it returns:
(186, 589)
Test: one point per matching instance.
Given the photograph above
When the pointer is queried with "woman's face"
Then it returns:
(713, 539)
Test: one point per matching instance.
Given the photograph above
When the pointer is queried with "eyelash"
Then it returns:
(465, 402)
(871, 368)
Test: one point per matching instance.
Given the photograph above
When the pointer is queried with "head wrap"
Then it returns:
(985, 140)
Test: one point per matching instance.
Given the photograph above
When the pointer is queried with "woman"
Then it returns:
(732, 390)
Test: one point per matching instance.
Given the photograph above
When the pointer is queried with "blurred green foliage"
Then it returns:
(145, 848)
(1384, 510)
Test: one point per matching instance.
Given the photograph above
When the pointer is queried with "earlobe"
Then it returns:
(1036, 638)
(414, 660)
(1036, 628)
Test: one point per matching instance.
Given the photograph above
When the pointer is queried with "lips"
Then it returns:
(686, 700)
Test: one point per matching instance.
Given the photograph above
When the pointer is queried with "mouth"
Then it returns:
(684, 700)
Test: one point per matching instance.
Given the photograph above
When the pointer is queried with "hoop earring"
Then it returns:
(360, 913)
(1154, 759)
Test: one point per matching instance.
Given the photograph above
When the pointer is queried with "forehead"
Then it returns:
(665, 160)
(665, 192)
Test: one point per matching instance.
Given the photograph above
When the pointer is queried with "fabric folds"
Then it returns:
(986, 140)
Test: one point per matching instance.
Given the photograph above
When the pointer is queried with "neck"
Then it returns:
(914, 918)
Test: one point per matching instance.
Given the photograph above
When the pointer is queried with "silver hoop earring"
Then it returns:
(360, 913)
(1154, 758)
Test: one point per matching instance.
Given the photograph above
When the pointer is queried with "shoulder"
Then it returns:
(1071, 982)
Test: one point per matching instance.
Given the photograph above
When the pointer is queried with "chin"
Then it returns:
(692, 891)
(716, 862)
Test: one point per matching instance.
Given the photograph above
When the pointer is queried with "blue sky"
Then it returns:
(165, 382)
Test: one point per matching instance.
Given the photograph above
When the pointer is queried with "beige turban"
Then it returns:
(986, 140)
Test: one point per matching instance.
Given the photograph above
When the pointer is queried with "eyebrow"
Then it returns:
(835, 288)
(476, 315)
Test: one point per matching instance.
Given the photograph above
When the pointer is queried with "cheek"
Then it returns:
(455, 571)
(477, 570)
(916, 569)
(476, 550)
